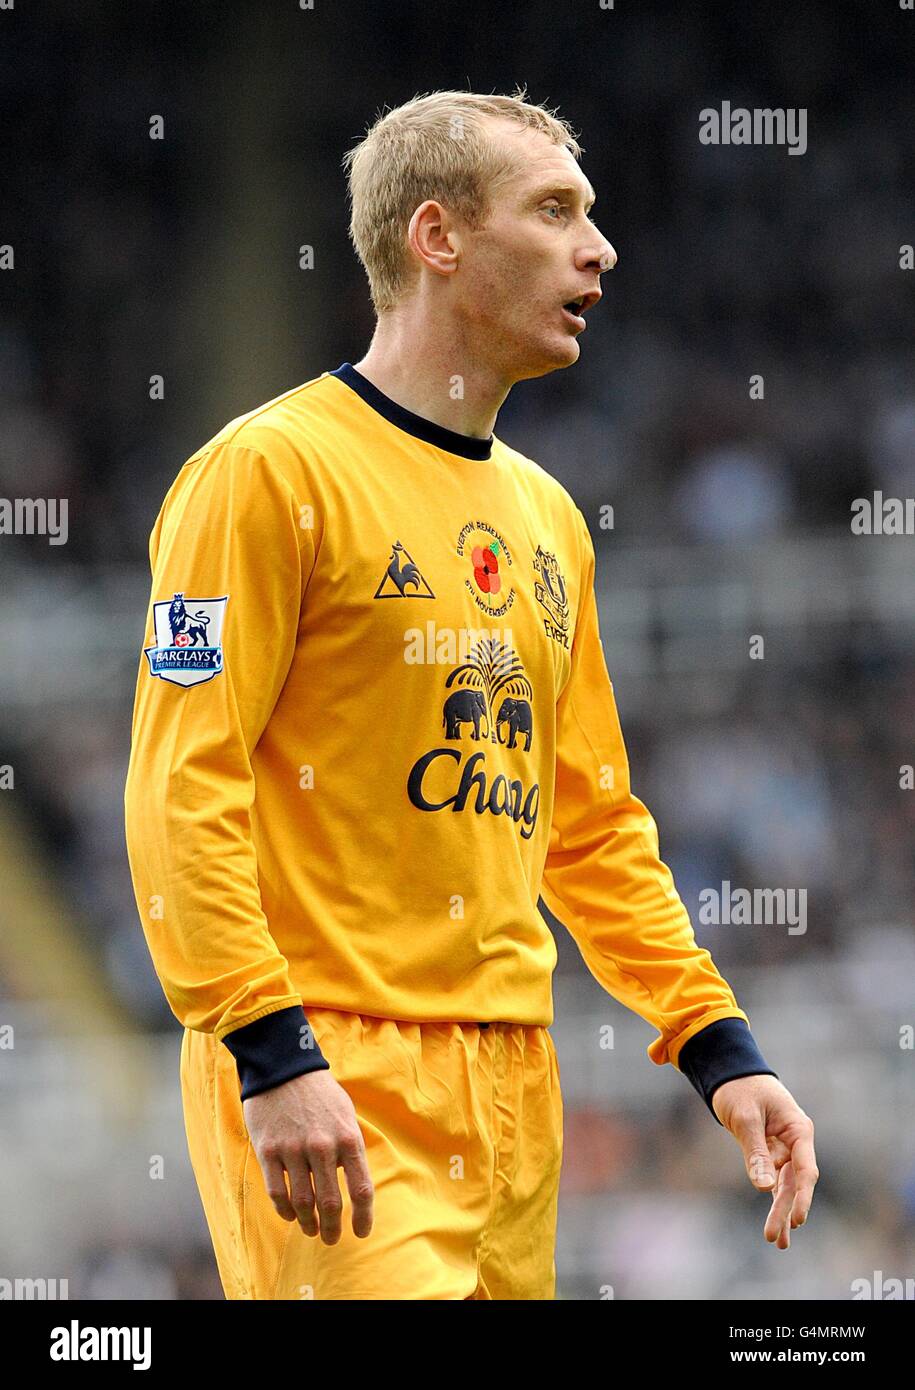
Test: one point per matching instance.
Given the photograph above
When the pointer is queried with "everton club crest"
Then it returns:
(550, 592)
(188, 648)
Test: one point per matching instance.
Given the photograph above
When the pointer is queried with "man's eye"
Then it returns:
(554, 207)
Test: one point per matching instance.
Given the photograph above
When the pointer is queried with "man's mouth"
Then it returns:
(577, 308)
(572, 310)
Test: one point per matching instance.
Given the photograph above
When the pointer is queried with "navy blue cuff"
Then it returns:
(721, 1052)
(274, 1049)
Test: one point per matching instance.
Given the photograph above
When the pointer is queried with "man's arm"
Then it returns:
(229, 529)
(605, 881)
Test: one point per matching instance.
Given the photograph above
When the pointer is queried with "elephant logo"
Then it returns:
(517, 715)
(492, 673)
(461, 707)
(402, 578)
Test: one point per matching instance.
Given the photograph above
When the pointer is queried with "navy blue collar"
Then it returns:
(465, 444)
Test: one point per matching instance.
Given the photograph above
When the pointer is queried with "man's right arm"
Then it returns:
(228, 530)
(228, 546)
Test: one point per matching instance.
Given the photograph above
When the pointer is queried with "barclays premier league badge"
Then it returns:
(188, 648)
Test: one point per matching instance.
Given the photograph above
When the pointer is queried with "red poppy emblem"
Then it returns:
(486, 569)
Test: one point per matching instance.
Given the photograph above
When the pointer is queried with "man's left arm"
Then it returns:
(605, 881)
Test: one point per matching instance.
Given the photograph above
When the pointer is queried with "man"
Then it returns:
(373, 724)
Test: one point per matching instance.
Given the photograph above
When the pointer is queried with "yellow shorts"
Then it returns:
(463, 1138)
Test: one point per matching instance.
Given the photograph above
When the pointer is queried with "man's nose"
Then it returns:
(601, 257)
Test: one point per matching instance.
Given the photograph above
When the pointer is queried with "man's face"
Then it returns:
(538, 250)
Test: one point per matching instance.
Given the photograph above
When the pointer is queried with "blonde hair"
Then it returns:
(435, 146)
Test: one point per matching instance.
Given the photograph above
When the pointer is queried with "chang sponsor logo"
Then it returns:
(490, 703)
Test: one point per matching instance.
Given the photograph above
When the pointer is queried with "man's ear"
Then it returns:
(434, 238)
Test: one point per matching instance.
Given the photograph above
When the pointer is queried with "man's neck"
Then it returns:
(433, 378)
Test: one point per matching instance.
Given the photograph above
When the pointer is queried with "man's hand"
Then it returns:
(777, 1142)
(308, 1128)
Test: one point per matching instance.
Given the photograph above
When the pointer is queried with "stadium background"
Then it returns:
(179, 257)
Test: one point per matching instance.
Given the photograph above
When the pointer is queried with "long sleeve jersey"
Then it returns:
(373, 725)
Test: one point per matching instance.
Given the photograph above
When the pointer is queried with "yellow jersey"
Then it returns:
(373, 725)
